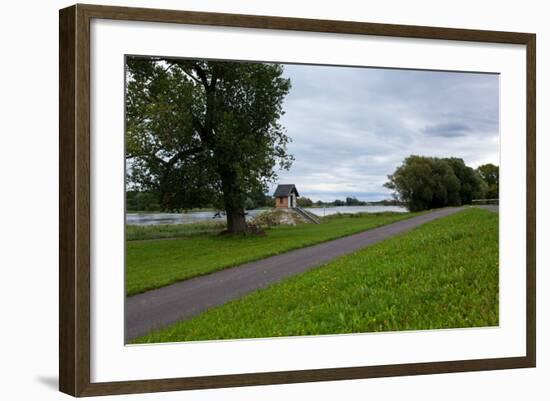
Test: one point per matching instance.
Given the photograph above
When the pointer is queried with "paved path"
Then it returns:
(164, 306)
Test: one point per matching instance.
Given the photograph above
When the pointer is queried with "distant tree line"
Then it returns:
(142, 201)
(350, 201)
(304, 202)
(258, 199)
(422, 183)
(386, 202)
(149, 201)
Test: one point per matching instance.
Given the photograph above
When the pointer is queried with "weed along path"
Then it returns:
(161, 307)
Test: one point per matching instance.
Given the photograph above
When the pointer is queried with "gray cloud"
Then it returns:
(351, 127)
(448, 130)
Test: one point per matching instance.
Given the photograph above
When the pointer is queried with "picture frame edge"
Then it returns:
(67, 266)
(74, 199)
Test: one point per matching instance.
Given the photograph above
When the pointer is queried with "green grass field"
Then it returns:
(443, 274)
(155, 263)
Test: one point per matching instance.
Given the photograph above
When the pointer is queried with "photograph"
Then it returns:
(269, 199)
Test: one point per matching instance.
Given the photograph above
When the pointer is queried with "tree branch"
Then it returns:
(190, 75)
(214, 79)
(184, 153)
(182, 67)
(202, 76)
(179, 155)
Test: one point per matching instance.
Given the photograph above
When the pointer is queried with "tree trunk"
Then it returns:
(232, 199)
(236, 222)
(233, 202)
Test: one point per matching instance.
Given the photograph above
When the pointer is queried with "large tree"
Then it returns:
(430, 182)
(425, 183)
(490, 174)
(205, 132)
(472, 185)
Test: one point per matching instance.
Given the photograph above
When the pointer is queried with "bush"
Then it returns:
(277, 217)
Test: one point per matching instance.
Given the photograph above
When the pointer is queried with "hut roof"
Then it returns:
(285, 190)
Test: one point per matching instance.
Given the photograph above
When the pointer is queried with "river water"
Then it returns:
(145, 219)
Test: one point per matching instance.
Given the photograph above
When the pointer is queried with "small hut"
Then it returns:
(286, 196)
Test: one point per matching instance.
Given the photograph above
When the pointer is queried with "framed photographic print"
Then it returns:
(250, 200)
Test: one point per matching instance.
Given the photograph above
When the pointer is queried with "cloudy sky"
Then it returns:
(351, 127)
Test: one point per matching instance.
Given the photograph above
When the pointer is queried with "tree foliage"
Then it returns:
(141, 201)
(428, 182)
(205, 132)
(353, 201)
(490, 174)
(472, 185)
(304, 202)
(259, 199)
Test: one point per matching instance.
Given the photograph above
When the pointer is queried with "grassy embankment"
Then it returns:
(155, 263)
(136, 233)
(443, 274)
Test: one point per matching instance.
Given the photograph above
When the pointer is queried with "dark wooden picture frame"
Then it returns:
(74, 203)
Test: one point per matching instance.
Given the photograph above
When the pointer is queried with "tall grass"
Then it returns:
(136, 233)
